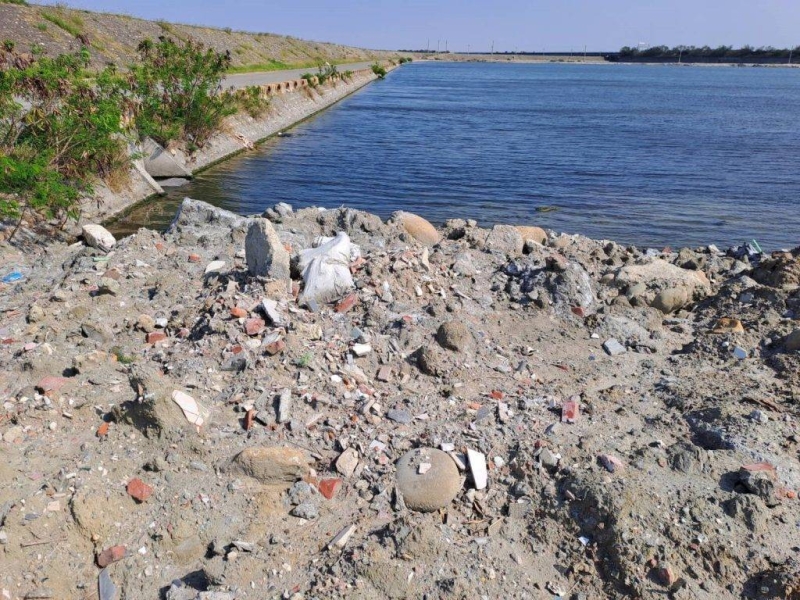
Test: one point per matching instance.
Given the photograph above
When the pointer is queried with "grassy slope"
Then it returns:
(114, 38)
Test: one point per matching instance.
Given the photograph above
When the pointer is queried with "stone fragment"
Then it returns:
(276, 347)
(399, 416)
(536, 234)
(361, 349)
(110, 555)
(215, 266)
(340, 539)
(238, 313)
(347, 462)
(285, 406)
(51, 383)
(264, 252)
(109, 286)
(611, 463)
(98, 237)
(477, 468)
(158, 162)
(146, 323)
(417, 227)
(739, 352)
(428, 479)
(139, 490)
(672, 299)
(306, 510)
(270, 309)
(384, 374)
(506, 239)
(106, 590)
(613, 347)
(271, 465)
(792, 342)
(454, 335)
(760, 479)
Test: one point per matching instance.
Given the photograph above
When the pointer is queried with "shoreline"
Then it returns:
(240, 133)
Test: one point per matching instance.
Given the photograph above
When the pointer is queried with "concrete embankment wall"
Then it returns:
(290, 102)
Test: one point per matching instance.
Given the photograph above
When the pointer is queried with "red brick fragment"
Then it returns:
(156, 336)
(51, 384)
(664, 576)
(249, 417)
(102, 431)
(760, 466)
(497, 395)
(159, 246)
(254, 326)
(578, 311)
(275, 347)
(347, 303)
(193, 258)
(570, 411)
(238, 313)
(139, 490)
(329, 487)
(110, 555)
(183, 333)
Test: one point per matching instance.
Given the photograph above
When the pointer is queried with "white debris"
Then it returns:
(477, 466)
(196, 414)
(215, 266)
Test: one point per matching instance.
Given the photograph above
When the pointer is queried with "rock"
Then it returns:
(270, 310)
(399, 416)
(671, 300)
(431, 488)
(417, 227)
(306, 510)
(254, 326)
(760, 479)
(611, 463)
(361, 349)
(146, 323)
(792, 341)
(271, 465)
(98, 237)
(347, 303)
(215, 266)
(110, 555)
(454, 335)
(347, 462)
(174, 182)
(285, 406)
(139, 490)
(477, 468)
(739, 353)
(109, 286)
(160, 163)
(155, 336)
(536, 234)
(506, 239)
(264, 251)
(430, 360)
(613, 347)
(106, 590)
(195, 413)
(728, 325)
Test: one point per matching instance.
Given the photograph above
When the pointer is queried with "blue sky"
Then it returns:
(512, 24)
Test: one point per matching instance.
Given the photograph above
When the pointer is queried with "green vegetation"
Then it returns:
(379, 70)
(52, 152)
(42, 27)
(251, 101)
(403, 60)
(20, 2)
(72, 24)
(179, 91)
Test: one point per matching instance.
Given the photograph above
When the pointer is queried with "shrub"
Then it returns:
(179, 89)
(379, 70)
(60, 129)
(252, 102)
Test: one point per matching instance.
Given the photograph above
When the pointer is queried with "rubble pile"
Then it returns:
(318, 404)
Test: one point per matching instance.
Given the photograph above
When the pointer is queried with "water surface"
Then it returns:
(650, 155)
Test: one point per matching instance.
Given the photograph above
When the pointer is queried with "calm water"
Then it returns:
(645, 155)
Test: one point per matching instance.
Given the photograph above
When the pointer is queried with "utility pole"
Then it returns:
(468, 48)
(584, 53)
(437, 46)
(492, 46)
(445, 45)
(790, 55)
(428, 46)
(680, 54)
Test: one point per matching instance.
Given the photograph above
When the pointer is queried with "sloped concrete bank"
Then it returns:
(290, 104)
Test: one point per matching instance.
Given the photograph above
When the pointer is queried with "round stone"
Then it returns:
(428, 479)
(454, 335)
(418, 228)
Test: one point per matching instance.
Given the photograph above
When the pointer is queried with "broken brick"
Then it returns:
(570, 411)
(193, 258)
(102, 431)
(139, 490)
(51, 384)
(238, 313)
(329, 487)
(254, 326)
(347, 303)
(156, 336)
(110, 555)
(275, 347)
(249, 417)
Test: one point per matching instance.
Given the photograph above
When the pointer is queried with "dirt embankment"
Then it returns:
(468, 412)
(114, 38)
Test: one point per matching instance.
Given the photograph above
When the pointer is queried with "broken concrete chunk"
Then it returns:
(340, 539)
(160, 163)
(215, 266)
(613, 347)
(98, 237)
(285, 406)
(264, 251)
(347, 462)
(478, 469)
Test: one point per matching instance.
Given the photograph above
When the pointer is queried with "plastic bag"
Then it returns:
(326, 269)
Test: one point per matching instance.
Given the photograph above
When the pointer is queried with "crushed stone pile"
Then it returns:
(320, 404)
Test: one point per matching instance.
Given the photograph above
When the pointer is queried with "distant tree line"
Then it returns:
(745, 54)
